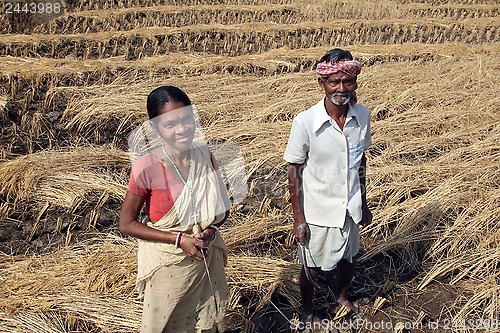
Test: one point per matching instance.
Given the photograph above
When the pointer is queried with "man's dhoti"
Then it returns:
(328, 245)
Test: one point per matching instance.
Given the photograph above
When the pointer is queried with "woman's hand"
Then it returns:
(207, 235)
(192, 247)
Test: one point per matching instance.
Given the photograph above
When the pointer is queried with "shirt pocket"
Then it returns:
(355, 153)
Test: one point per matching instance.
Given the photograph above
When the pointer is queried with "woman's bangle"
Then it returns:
(215, 228)
(178, 239)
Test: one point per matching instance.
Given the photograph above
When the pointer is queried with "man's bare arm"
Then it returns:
(366, 217)
(300, 228)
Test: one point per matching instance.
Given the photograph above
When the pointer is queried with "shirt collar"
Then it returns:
(352, 112)
(321, 116)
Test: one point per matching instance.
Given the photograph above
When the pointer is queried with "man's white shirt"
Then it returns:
(331, 158)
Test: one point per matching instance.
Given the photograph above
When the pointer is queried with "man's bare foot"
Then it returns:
(348, 304)
(307, 317)
(306, 320)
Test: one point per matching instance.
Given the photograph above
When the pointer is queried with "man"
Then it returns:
(326, 174)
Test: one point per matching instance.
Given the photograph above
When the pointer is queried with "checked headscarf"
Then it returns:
(350, 67)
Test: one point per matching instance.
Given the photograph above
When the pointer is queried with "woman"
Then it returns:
(181, 255)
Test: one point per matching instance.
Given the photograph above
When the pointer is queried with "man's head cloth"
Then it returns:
(349, 67)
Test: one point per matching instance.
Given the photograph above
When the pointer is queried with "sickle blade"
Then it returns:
(306, 269)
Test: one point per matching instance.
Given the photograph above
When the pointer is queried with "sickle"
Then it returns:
(197, 230)
(306, 269)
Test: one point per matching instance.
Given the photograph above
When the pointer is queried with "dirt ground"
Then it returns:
(417, 310)
(406, 308)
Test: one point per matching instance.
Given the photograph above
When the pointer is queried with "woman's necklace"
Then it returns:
(190, 180)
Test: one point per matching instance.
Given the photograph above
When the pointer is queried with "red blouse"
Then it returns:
(149, 179)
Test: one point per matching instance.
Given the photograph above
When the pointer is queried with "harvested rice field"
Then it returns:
(74, 85)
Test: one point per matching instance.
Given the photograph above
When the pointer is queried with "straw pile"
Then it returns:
(457, 12)
(249, 38)
(3, 105)
(109, 4)
(177, 16)
(86, 278)
(20, 16)
(170, 16)
(68, 102)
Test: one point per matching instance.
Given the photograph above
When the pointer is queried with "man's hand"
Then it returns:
(301, 232)
(206, 235)
(366, 217)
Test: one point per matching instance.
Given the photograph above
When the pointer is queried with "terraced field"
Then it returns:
(72, 89)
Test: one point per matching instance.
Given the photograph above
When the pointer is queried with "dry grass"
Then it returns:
(3, 103)
(248, 38)
(170, 16)
(3, 114)
(426, 195)
(81, 280)
(125, 19)
(449, 2)
(430, 80)
(21, 177)
(86, 278)
(454, 11)
(107, 4)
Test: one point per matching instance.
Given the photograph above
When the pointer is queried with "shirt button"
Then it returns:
(343, 183)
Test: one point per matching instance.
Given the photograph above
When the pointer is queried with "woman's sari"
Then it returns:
(179, 294)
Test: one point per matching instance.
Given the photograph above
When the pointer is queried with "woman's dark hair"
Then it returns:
(163, 95)
(336, 55)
